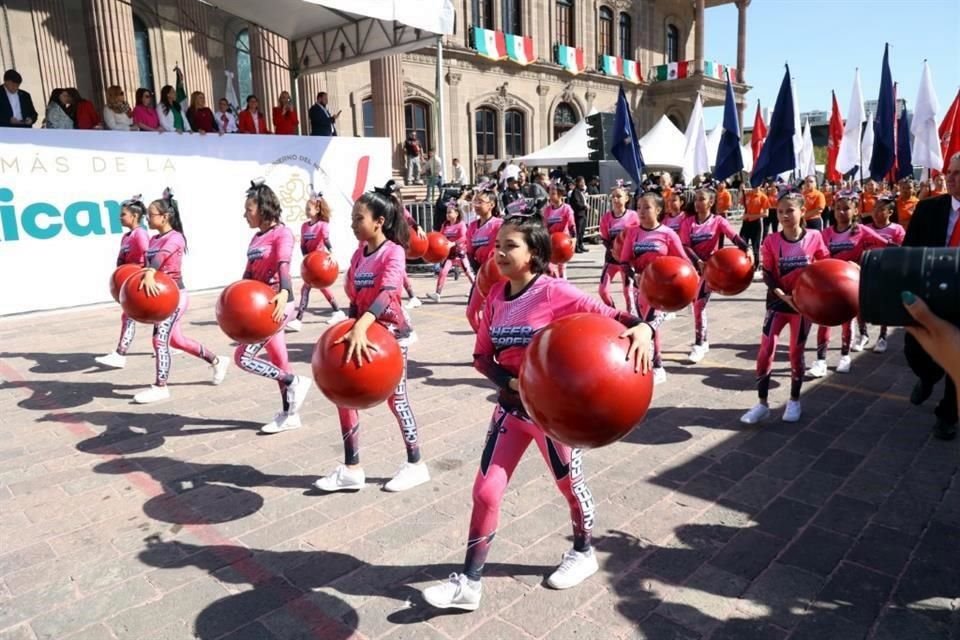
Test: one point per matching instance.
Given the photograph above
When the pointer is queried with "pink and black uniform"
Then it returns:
(674, 222)
(457, 234)
(374, 282)
(560, 220)
(783, 260)
(849, 245)
(894, 235)
(701, 240)
(611, 226)
(165, 254)
(481, 243)
(640, 248)
(133, 250)
(509, 323)
(313, 236)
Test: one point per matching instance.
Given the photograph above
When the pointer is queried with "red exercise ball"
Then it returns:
(352, 387)
(245, 311)
(319, 269)
(577, 384)
(828, 292)
(438, 247)
(119, 276)
(729, 271)
(561, 247)
(488, 276)
(149, 309)
(417, 246)
(669, 283)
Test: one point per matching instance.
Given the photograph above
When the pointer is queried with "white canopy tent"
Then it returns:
(713, 149)
(662, 146)
(570, 147)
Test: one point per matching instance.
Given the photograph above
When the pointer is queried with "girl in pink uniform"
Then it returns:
(612, 224)
(673, 215)
(846, 239)
(784, 256)
(894, 234)
(559, 219)
(515, 310)
(641, 246)
(165, 253)
(268, 261)
(481, 237)
(133, 248)
(374, 282)
(701, 234)
(314, 234)
(455, 230)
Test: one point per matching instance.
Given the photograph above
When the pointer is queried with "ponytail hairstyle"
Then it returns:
(888, 202)
(135, 206)
(536, 238)
(268, 204)
(323, 209)
(384, 202)
(710, 191)
(852, 197)
(169, 207)
(794, 195)
(654, 196)
(453, 205)
(489, 189)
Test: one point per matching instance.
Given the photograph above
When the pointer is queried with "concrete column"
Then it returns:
(269, 57)
(309, 86)
(741, 41)
(51, 29)
(195, 54)
(113, 52)
(386, 83)
(457, 131)
(698, 36)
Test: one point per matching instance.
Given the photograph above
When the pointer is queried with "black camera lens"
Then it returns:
(933, 274)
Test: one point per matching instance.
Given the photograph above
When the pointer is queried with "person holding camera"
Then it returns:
(935, 223)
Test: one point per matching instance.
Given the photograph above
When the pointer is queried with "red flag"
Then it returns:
(833, 142)
(950, 132)
(759, 134)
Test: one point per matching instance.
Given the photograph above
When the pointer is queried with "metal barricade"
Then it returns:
(596, 206)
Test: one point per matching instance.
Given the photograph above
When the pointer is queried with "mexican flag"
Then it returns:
(182, 98)
(489, 43)
(672, 71)
(570, 58)
(611, 65)
(714, 70)
(631, 71)
(519, 49)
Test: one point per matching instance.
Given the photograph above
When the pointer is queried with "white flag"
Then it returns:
(866, 147)
(230, 93)
(926, 139)
(808, 163)
(797, 130)
(848, 156)
(695, 159)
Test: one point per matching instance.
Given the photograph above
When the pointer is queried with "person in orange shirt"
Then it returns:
(724, 199)
(938, 186)
(666, 186)
(906, 203)
(251, 119)
(756, 205)
(285, 119)
(814, 204)
(868, 200)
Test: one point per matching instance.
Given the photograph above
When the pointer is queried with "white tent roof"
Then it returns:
(663, 145)
(713, 148)
(570, 147)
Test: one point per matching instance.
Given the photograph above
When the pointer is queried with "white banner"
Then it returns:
(60, 195)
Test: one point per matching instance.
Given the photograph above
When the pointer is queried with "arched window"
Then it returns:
(673, 43)
(676, 122)
(513, 131)
(141, 38)
(564, 118)
(485, 121)
(483, 13)
(366, 113)
(513, 17)
(566, 34)
(244, 70)
(605, 43)
(417, 117)
(626, 36)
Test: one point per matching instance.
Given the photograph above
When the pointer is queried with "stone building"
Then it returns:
(495, 108)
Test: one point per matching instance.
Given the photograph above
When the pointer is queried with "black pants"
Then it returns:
(828, 218)
(771, 224)
(930, 373)
(751, 230)
(580, 219)
(815, 223)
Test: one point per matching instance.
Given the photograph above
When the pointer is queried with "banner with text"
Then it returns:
(60, 195)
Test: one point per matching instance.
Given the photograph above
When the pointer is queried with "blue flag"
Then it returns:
(884, 142)
(776, 155)
(626, 146)
(729, 156)
(904, 155)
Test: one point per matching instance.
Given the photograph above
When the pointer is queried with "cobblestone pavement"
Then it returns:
(178, 520)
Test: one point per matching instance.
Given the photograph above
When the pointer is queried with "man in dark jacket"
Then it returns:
(578, 202)
(322, 122)
(16, 106)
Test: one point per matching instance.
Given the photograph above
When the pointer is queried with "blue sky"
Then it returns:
(825, 40)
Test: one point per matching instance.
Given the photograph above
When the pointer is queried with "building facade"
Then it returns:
(499, 103)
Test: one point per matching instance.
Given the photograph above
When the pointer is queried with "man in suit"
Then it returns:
(935, 223)
(322, 122)
(16, 107)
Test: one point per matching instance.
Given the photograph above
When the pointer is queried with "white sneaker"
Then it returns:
(220, 366)
(283, 421)
(458, 592)
(336, 316)
(113, 360)
(433, 297)
(297, 393)
(860, 343)
(294, 325)
(881, 346)
(410, 340)
(819, 369)
(844, 365)
(343, 479)
(414, 302)
(576, 567)
(670, 316)
(759, 412)
(408, 476)
(153, 394)
(793, 411)
(698, 352)
(659, 375)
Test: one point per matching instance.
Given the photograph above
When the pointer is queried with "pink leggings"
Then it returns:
(611, 269)
(509, 436)
(408, 286)
(474, 308)
(700, 312)
(773, 324)
(647, 313)
(167, 334)
(128, 329)
(461, 262)
(823, 340)
(278, 366)
(305, 299)
(558, 270)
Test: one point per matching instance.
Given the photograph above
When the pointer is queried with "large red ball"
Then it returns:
(119, 276)
(561, 247)
(488, 276)
(245, 311)
(350, 386)
(149, 309)
(728, 271)
(669, 283)
(319, 269)
(828, 292)
(417, 246)
(577, 384)
(438, 247)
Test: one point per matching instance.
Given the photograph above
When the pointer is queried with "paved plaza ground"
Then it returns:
(178, 520)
